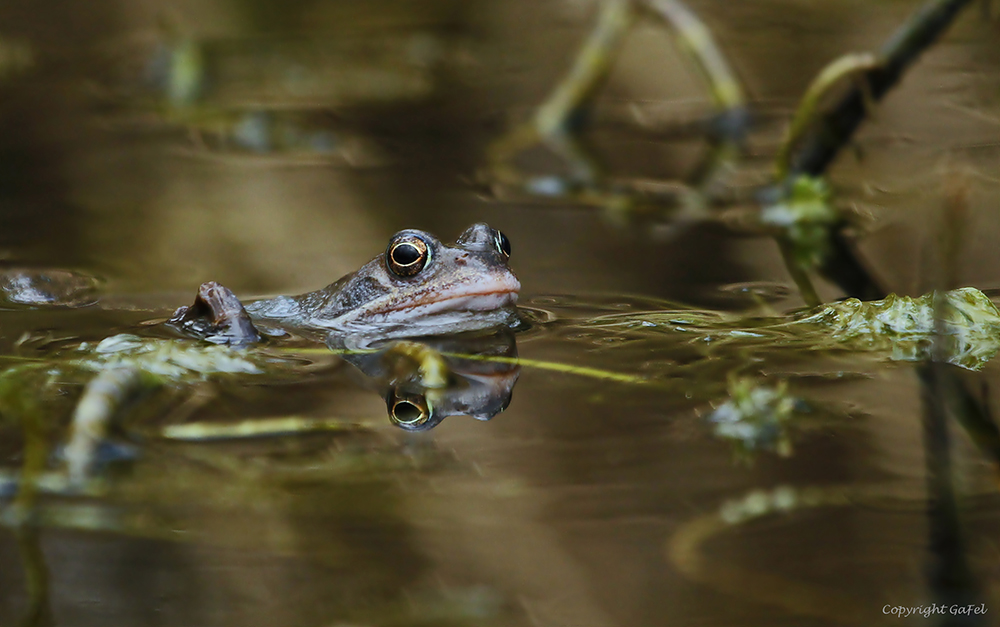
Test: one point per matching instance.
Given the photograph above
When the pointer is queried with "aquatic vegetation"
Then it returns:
(686, 549)
(965, 322)
(559, 122)
(113, 371)
(811, 235)
(171, 359)
(356, 472)
(126, 365)
(902, 328)
(757, 417)
(802, 217)
(16, 57)
(421, 385)
(183, 71)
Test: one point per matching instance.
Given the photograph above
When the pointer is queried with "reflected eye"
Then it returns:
(410, 412)
(503, 244)
(406, 256)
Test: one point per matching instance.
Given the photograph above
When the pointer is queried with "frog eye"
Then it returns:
(503, 244)
(407, 255)
(409, 412)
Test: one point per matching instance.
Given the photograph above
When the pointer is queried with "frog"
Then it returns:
(418, 286)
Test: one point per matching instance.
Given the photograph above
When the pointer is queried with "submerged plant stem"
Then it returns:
(686, 551)
(800, 276)
(36, 575)
(101, 400)
(267, 427)
(849, 65)
(583, 371)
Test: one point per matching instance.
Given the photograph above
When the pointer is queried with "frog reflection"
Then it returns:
(423, 382)
(417, 287)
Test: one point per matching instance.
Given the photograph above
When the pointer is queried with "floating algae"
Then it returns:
(757, 417)
(905, 327)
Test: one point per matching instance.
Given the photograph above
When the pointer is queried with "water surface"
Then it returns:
(585, 502)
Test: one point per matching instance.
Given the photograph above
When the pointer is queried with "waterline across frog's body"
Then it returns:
(418, 287)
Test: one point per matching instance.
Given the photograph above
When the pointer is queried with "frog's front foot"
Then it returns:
(217, 316)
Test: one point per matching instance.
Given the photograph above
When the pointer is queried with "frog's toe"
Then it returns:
(217, 316)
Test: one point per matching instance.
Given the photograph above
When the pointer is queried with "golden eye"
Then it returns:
(407, 256)
(409, 412)
(503, 244)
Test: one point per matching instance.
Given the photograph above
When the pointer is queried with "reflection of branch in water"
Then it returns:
(951, 579)
(583, 371)
(728, 129)
(258, 427)
(560, 120)
(297, 425)
(686, 551)
(21, 513)
(102, 398)
(36, 575)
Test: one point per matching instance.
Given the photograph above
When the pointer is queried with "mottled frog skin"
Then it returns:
(417, 287)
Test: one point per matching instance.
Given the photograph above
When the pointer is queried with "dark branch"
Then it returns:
(838, 125)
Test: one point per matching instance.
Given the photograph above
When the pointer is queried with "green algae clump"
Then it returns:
(965, 321)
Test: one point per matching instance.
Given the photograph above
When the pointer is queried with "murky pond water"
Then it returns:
(611, 490)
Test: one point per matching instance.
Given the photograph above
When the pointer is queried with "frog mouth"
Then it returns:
(481, 297)
(477, 301)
